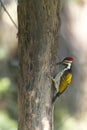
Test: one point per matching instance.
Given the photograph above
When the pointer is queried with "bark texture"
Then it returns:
(38, 22)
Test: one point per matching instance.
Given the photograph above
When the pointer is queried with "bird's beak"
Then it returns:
(59, 63)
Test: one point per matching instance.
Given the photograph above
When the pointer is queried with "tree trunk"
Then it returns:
(38, 22)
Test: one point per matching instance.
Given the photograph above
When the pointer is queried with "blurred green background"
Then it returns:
(8, 67)
(70, 111)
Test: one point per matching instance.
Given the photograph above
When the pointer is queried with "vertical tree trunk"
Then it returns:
(38, 22)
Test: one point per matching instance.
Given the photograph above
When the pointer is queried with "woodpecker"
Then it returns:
(63, 78)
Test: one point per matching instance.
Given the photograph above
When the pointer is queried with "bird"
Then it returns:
(63, 78)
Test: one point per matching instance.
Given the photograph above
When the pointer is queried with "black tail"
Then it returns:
(55, 97)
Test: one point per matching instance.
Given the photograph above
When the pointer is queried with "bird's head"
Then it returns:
(66, 61)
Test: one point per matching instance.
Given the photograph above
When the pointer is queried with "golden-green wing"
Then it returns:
(64, 82)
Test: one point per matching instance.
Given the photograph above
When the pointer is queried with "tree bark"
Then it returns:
(38, 32)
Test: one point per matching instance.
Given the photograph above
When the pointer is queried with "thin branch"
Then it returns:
(8, 14)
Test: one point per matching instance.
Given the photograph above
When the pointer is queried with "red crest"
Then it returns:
(69, 58)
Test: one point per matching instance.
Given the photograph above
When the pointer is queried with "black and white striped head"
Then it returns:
(68, 61)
